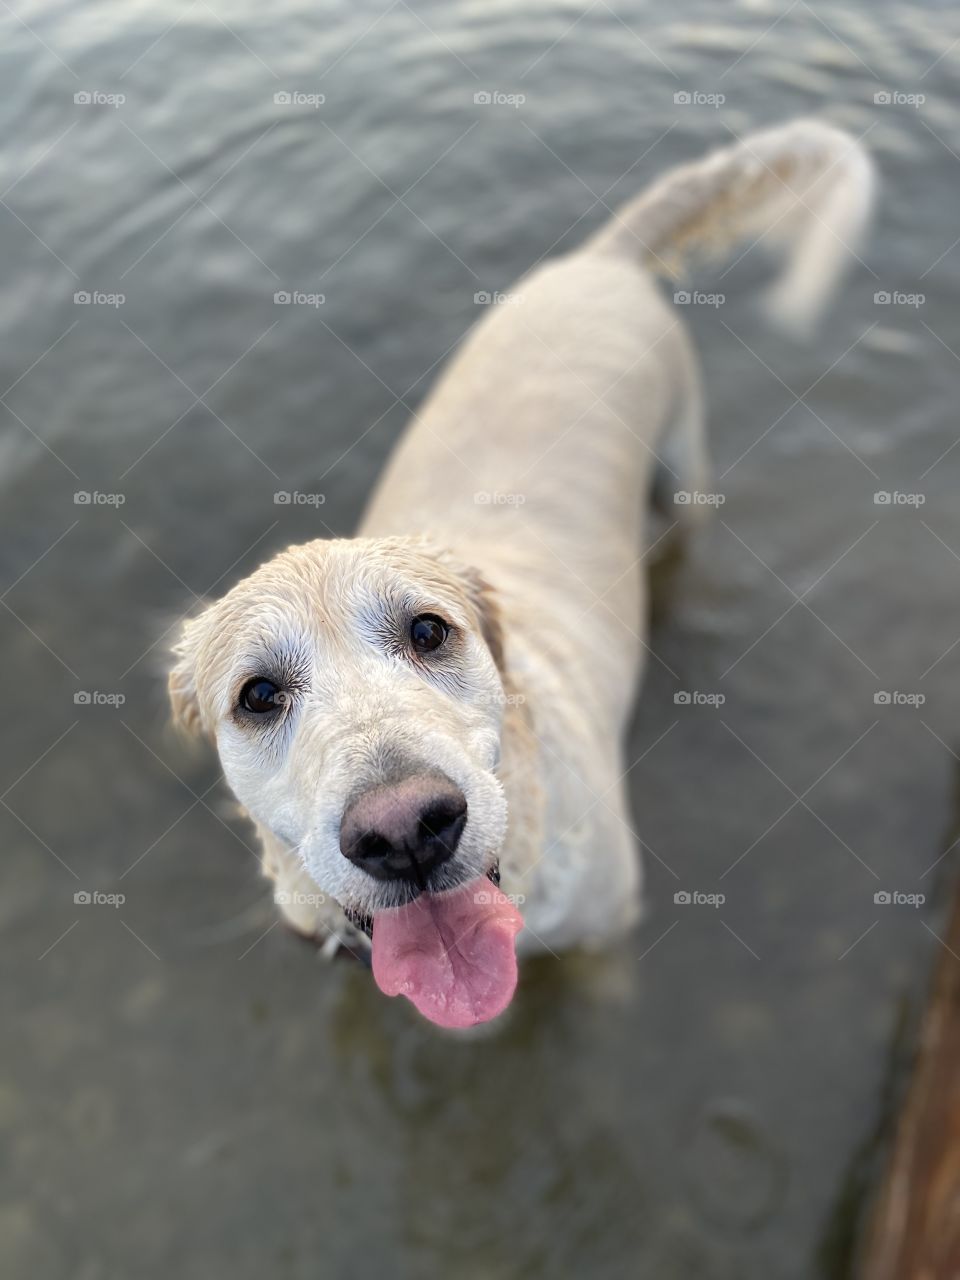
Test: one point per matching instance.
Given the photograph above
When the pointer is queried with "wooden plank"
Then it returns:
(914, 1232)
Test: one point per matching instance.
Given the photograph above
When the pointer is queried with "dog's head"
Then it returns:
(353, 689)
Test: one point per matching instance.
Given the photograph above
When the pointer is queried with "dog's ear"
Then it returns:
(484, 600)
(480, 596)
(181, 681)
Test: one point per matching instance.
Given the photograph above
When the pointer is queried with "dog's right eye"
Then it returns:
(261, 696)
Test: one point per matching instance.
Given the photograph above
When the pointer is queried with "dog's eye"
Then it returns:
(428, 632)
(261, 696)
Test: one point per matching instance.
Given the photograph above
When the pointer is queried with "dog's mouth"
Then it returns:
(452, 954)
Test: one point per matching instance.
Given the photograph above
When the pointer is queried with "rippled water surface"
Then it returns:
(185, 1090)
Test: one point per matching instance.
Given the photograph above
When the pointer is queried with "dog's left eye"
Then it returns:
(428, 632)
(261, 696)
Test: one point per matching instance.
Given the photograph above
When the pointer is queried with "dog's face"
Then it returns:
(353, 692)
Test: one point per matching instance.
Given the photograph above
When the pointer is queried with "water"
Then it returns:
(184, 1088)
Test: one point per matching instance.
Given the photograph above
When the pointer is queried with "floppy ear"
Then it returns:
(483, 600)
(181, 682)
(480, 596)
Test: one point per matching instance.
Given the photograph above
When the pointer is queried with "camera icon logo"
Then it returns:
(882, 298)
(682, 98)
(81, 698)
(682, 898)
(81, 298)
(682, 498)
(882, 898)
(882, 498)
(281, 298)
(882, 698)
(682, 698)
(282, 498)
(682, 297)
(883, 98)
(482, 298)
(82, 898)
(483, 98)
(83, 98)
(283, 98)
(82, 498)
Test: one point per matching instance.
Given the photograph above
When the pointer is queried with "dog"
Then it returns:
(425, 722)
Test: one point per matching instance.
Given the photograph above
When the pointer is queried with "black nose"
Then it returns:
(404, 830)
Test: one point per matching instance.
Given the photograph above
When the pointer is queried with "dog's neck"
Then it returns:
(520, 771)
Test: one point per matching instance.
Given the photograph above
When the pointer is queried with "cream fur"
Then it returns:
(562, 407)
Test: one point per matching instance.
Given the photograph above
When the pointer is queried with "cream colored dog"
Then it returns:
(415, 714)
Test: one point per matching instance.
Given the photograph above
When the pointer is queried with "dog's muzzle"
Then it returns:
(404, 830)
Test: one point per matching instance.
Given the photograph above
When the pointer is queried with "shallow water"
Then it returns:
(184, 1088)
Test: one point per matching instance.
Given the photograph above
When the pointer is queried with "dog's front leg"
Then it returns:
(302, 904)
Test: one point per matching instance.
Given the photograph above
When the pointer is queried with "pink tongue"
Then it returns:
(451, 954)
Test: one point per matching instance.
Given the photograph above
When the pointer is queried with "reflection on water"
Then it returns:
(185, 1089)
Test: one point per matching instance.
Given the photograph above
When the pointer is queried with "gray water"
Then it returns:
(185, 1089)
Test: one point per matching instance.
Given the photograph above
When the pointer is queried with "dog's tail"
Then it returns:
(805, 188)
